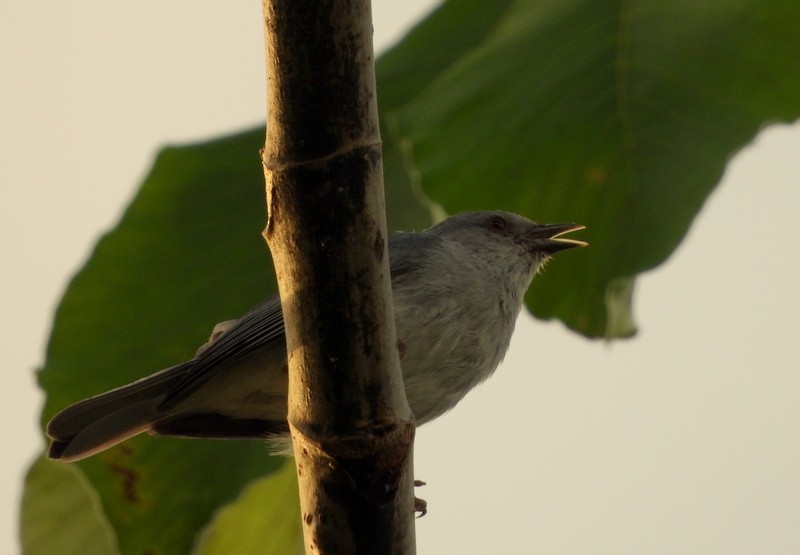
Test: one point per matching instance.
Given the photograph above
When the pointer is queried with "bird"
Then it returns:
(457, 288)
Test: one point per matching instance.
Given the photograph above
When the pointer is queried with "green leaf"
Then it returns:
(619, 116)
(62, 513)
(264, 520)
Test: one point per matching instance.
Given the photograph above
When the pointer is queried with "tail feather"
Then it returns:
(99, 422)
(125, 422)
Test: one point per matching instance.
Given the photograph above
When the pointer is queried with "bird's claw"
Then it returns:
(420, 505)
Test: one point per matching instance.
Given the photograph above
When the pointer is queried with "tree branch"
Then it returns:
(351, 426)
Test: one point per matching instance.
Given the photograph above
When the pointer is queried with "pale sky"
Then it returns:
(685, 439)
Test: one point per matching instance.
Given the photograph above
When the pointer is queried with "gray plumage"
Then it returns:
(457, 287)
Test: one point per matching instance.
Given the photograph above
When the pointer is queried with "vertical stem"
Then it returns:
(351, 426)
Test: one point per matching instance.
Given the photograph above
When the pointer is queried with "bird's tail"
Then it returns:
(97, 423)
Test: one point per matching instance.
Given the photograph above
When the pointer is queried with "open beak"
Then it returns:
(547, 238)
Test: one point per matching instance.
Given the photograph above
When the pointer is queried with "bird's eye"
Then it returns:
(497, 224)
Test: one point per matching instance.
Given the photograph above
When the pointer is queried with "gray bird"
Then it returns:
(458, 288)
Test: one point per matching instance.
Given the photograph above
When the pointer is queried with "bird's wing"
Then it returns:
(263, 325)
(258, 329)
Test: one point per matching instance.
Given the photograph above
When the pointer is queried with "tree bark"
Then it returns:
(352, 429)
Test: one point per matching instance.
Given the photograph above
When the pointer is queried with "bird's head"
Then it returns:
(510, 245)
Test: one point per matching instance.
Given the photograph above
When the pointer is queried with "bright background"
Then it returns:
(685, 439)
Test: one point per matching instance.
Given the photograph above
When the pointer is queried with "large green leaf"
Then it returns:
(145, 300)
(617, 115)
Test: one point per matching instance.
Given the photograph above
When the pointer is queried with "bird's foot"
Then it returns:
(420, 505)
